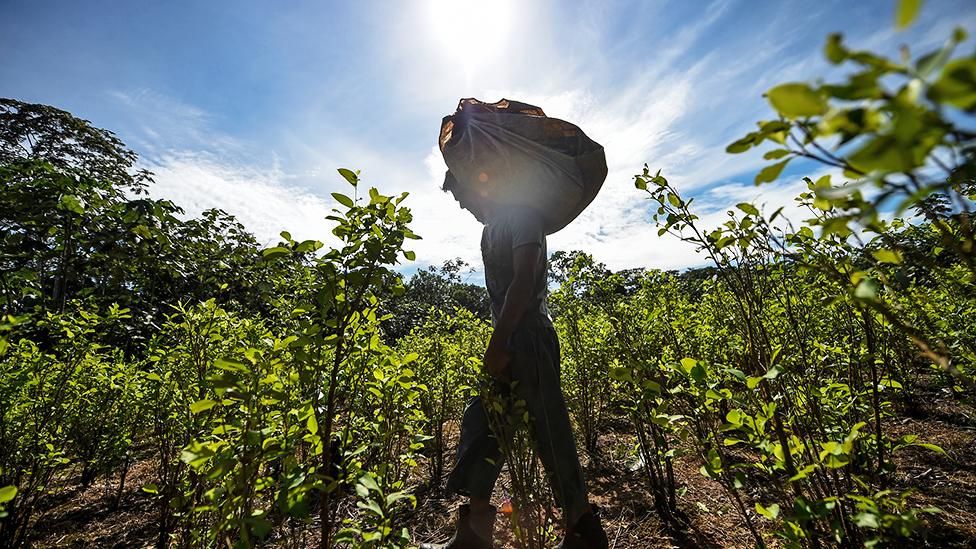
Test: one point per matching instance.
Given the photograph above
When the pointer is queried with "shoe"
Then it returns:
(587, 533)
(465, 536)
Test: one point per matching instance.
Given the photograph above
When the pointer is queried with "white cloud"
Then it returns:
(260, 199)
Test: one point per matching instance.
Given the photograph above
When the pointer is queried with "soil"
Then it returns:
(88, 517)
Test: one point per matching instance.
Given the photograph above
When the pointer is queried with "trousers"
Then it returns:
(533, 376)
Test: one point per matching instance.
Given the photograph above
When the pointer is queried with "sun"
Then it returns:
(469, 31)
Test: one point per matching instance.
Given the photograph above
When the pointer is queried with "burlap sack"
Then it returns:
(512, 153)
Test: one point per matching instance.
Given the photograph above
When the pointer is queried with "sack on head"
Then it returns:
(512, 153)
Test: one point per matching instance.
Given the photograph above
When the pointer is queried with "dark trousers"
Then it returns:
(533, 375)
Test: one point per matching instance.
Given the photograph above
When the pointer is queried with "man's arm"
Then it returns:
(518, 298)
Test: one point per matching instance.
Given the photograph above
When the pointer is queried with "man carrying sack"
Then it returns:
(523, 175)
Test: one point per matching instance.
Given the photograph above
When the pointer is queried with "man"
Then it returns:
(523, 348)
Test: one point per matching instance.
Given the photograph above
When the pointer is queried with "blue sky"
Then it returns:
(251, 105)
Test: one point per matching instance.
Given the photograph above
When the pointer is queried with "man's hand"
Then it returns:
(496, 359)
(518, 297)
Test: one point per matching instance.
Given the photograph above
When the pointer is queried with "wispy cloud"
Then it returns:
(156, 124)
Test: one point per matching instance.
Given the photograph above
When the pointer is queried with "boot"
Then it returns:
(587, 533)
(465, 537)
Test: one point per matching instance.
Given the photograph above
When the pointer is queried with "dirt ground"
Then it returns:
(78, 517)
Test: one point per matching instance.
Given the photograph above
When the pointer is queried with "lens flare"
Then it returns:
(469, 31)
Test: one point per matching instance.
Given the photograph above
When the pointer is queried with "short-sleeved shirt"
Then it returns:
(511, 228)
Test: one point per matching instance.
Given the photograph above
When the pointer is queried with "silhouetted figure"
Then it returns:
(524, 349)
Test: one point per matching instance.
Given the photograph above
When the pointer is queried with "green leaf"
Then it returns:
(621, 374)
(308, 246)
(410, 255)
(742, 145)
(7, 493)
(397, 496)
(651, 386)
(771, 172)
(196, 454)
(776, 154)
(834, 50)
(71, 203)
(884, 154)
(277, 251)
(734, 417)
(866, 520)
(803, 473)
(928, 64)
(774, 371)
(343, 199)
(796, 100)
(888, 256)
(369, 483)
(202, 406)
(867, 289)
(747, 208)
(836, 225)
(230, 365)
(888, 382)
(956, 85)
(770, 512)
(349, 176)
(260, 527)
(931, 447)
(907, 12)
(375, 508)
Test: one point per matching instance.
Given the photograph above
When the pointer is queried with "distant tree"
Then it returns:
(434, 288)
(31, 132)
(75, 223)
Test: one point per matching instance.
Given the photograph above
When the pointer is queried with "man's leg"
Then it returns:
(479, 462)
(535, 364)
(536, 361)
(479, 458)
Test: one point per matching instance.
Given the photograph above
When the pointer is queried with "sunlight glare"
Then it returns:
(469, 31)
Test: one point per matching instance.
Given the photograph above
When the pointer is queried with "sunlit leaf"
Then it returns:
(770, 512)
(202, 406)
(277, 251)
(867, 289)
(888, 256)
(343, 199)
(776, 154)
(771, 172)
(906, 12)
(834, 50)
(349, 176)
(747, 208)
(796, 100)
(7, 493)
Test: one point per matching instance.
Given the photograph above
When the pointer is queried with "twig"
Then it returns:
(616, 536)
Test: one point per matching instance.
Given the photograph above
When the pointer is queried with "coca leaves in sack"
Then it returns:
(512, 153)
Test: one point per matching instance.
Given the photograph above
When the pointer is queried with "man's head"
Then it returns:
(469, 199)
